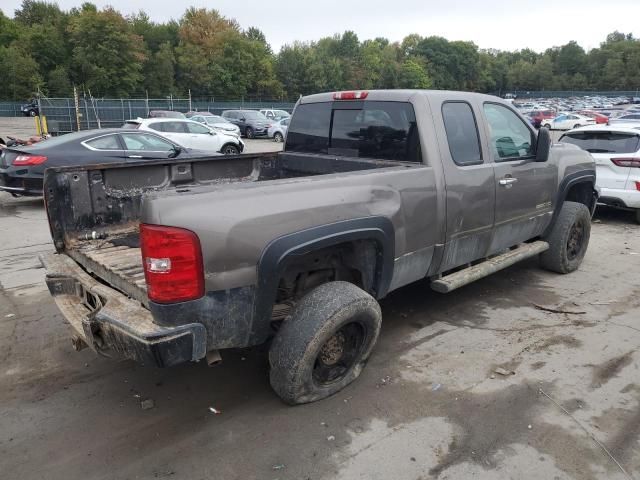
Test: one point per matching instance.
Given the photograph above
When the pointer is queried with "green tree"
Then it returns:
(414, 75)
(58, 84)
(19, 76)
(106, 56)
(159, 72)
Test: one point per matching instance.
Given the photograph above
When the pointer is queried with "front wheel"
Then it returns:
(32, 113)
(323, 346)
(249, 133)
(230, 149)
(568, 240)
(277, 137)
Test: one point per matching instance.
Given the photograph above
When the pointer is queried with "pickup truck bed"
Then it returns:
(95, 216)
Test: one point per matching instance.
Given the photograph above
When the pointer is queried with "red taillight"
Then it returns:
(637, 186)
(360, 95)
(627, 162)
(172, 261)
(26, 160)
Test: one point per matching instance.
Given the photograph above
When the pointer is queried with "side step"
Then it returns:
(460, 278)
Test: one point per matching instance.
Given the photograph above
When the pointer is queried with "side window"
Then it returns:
(108, 142)
(231, 115)
(462, 133)
(175, 127)
(510, 137)
(158, 126)
(196, 128)
(144, 141)
(197, 119)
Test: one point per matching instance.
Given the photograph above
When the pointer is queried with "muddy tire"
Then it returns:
(568, 240)
(323, 346)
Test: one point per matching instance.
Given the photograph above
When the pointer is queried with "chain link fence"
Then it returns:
(92, 113)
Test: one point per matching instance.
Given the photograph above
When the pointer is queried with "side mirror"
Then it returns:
(175, 151)
(543, 145)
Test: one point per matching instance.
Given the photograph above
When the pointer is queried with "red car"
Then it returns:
(598, 117)
(538, 116)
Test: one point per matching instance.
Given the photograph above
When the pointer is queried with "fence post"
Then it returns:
(77, 105)
(130, 114)
(122, 109)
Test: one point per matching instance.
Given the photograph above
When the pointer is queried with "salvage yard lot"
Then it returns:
(430, 404)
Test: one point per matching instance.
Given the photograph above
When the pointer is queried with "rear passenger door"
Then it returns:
(146, 146)
(470, 184)
(525, 189)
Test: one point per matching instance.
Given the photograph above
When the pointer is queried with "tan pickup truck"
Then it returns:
(172, 261)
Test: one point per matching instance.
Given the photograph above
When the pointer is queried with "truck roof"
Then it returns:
(404, 95)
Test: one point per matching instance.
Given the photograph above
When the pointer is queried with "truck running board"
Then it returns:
(460, 278)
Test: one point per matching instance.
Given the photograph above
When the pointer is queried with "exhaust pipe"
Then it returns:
(213, 357)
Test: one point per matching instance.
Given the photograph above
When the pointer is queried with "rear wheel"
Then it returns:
(323, 346)
(277, 137)
(568, 240)
(230, 149)
(249, 133)
(32, 113)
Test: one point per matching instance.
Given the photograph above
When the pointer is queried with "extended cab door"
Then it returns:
(525, 189)
(470, 184)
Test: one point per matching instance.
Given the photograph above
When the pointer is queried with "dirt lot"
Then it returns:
(429, 404)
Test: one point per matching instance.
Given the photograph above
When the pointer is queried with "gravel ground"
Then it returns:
(430, 403)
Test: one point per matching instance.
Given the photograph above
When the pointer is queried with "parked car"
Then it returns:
(22, 168)
(165, 114)
(600, 118)
(251, 123)
(275, 114)
(283, 250)
(30, 109)
(537, 116)
(278, 130)
(567, 122)
(616, 150)
(190, 134)
(629, 118)
(194, 113)
(217, 123)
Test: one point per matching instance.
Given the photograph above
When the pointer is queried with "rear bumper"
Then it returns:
(619, 198)
(20, 185)
(108, 321)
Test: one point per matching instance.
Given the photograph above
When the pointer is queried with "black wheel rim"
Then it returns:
(230, 151)
(575, 240)
(339, 354)
(249, 133)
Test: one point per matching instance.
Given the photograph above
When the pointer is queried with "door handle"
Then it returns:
(507, 181)
(135, 156)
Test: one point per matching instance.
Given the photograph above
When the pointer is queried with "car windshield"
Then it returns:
(214, 119)
(253, 115)
(604, 142)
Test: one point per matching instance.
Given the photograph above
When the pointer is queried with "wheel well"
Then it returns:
(581, 193)
(354, 262)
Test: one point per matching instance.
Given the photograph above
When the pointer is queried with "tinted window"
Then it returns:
(604, 142)
(229, 115)
(462, 133)
(385, 130)
(143, 141)
(195, 128)
(175, 127)
(158, 126)
(510, 136)
(108, 142)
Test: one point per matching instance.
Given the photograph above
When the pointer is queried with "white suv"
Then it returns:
(616, 150)
(190, 134)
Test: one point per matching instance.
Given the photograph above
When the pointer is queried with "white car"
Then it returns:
(616, 150)
(278, 130)
(190, 134)
(272, 114)
(567, 121)
(217, 123)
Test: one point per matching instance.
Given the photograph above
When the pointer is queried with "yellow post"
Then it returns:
(45, 128)
(37, 122)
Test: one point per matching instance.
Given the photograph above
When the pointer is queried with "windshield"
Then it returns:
(604, 142)
(383, 130)
(214, 119)
(253, 115)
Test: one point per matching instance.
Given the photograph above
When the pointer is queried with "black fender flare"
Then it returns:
(566, 184)
(270, 265)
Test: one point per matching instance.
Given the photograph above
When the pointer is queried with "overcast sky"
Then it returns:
(501, 24)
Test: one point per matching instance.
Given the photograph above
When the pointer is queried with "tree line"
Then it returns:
(104, 53)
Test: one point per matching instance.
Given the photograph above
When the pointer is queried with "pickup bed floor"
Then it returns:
(120, 265)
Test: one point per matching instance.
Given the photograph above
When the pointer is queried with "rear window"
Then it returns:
(604, 142)
(462, 133)
(379, 130)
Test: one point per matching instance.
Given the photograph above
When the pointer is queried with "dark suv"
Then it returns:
(252, 123)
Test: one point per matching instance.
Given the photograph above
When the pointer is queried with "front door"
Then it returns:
(470, 185)
(525, 189)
